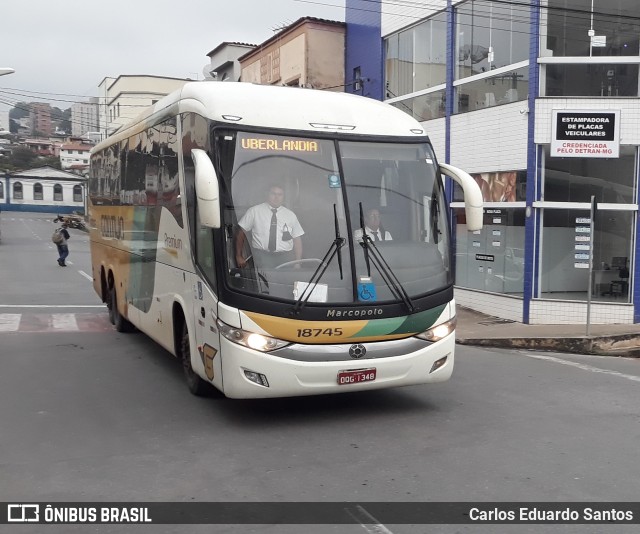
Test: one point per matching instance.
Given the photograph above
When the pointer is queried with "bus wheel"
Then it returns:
(110, 299)
(196, 385)
(121, 324)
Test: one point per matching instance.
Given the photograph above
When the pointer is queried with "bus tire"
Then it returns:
(121, 324)
(196, 385)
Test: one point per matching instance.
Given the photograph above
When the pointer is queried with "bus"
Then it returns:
(167, 193)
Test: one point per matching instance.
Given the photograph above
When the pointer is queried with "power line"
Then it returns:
(519, 13)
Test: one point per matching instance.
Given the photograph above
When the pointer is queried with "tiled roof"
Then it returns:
(287, 29)
(228, 43)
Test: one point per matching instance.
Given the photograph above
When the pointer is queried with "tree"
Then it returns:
(20, 111)
(22, 157)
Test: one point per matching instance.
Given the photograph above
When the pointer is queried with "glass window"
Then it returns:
(616, 24)
(168, 169)
(493, 91)
(1, 190)
(577, 179)
(591, 80)
(398, 181)
(17, 191)
(416, 58)
(430, 53)
(424, 107)
(393, 194)
(491, 259)
(490, 35)
(392, 60)
(37, 191)
(77, 193)
(565, 255)
(57, 192)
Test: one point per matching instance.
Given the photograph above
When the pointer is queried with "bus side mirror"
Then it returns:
(472, 195)
(207, 190)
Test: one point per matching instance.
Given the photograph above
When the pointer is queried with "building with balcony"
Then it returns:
(74, 157)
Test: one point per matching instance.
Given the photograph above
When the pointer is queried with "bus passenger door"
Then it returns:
(206, 333)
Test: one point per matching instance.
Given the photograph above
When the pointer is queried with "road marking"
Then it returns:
(52, 306)
(583, 366)
(54, 322)
(9, 322)
(367, 521)
(64, 321)
(86, 276)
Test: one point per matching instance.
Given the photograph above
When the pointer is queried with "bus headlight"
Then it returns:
(250, 339)
(439, 332)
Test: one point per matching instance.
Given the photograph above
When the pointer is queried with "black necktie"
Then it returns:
(273, 230)
(376, 235)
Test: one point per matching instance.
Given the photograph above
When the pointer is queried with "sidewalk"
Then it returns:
(475, 328)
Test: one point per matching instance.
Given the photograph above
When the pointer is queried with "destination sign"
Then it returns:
(280, 145)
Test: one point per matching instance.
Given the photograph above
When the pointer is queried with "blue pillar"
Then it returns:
(532, 229)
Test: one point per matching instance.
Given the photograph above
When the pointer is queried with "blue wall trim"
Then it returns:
(364, 48)
(41, 208)
(531, 236)
(448, 110)
(635, 281)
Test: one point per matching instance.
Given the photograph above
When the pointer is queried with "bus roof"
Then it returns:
(269, 106)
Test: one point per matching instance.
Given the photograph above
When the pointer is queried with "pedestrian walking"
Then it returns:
(60, 238)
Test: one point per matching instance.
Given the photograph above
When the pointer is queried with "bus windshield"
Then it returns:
(322, 220)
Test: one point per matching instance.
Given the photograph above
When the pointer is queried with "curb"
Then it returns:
(625, 345)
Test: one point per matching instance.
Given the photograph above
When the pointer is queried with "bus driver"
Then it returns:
(275, 232)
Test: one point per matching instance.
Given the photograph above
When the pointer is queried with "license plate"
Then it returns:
(356, 376)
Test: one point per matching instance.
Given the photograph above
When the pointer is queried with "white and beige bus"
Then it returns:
(347, 312)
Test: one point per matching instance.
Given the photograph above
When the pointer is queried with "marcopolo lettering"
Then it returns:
(360, 313)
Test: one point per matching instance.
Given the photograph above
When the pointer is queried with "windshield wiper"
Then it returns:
(334, 249)
(372, 253)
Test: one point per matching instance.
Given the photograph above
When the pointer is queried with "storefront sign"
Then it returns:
(485, 257)
(585, 134)
(582, 246)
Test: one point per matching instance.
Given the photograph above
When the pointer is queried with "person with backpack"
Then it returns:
(59, 238)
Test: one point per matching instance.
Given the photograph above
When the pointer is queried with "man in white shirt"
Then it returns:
(372, 227)
(275, 232)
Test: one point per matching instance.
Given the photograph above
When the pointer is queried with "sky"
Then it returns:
(63, 50)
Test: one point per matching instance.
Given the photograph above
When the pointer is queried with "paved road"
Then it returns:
(90, 414)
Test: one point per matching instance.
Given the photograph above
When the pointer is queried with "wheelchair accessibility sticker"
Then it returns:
(366, 290)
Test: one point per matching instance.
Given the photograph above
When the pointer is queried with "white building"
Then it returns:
(123, 98)
(75, 157)
(46, 190)
(84, 117)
